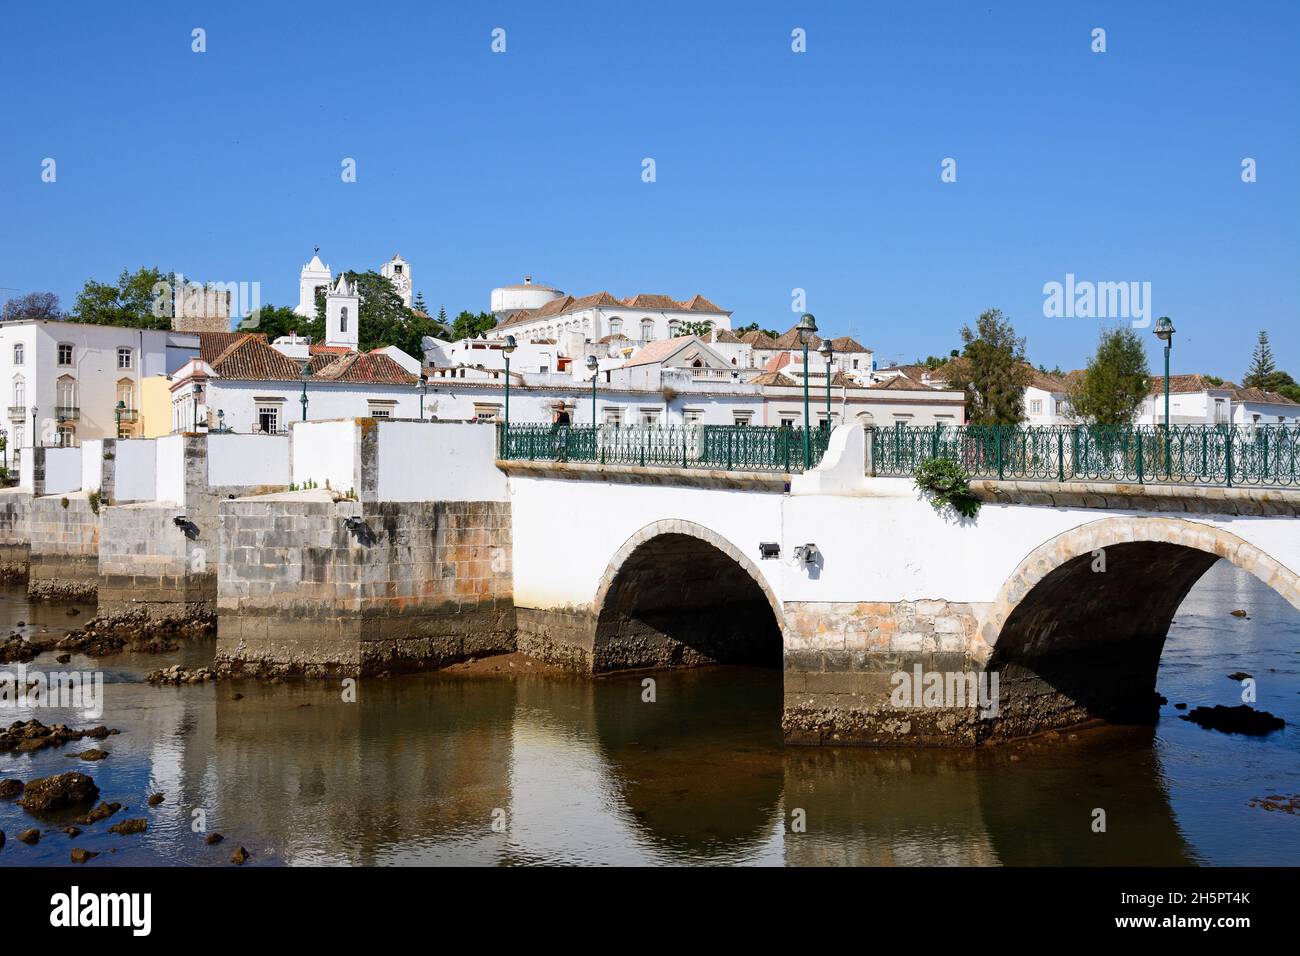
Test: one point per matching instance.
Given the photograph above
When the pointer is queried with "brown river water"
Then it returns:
(522, 768)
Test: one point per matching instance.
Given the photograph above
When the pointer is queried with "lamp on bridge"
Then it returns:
(424, 390)
(34, 409)
(595, 367)
(828, 353)
(509, 347)
(807, 331)
(303, 374)
(1164, 331)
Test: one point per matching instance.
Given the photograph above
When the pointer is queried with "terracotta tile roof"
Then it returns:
(355, 368)
(778, 362)
(847, 343)
(1048, 382)
(328, 350)
(649, 301)
(759, 339)
(773, 378)
(1257, 395)
(1187, 383)
(214, 344)
(656, 352)
(901, 383)
(790, 340)
(245, 356)
(727, 336)
(617, 337)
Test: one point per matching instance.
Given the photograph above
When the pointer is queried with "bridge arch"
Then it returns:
(1077, 630)
(677, 593)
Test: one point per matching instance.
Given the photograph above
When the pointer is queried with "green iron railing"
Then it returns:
(1228, 455)
(725, 447)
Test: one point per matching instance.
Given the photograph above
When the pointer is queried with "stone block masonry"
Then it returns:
(15, 533)
(150, 564)
(64, 562)
(309, 582)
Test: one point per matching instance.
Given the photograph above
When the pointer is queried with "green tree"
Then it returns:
(754, 327)
(470, 325)
(277, 320)
(1116, 381)
(992, 371)
(418, 305)
(703, 328)
(140, 299)
(1263, 369)
(33, 305)
(442, 315)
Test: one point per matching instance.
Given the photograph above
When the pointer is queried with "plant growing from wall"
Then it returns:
(64, 501)
(946, 485)
(94, 501)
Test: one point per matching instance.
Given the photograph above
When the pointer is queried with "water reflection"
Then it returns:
(576, 771)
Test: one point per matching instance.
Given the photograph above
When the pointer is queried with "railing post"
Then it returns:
(1060, 456)
(1139, 456)
(1228, 454)
(997, 437)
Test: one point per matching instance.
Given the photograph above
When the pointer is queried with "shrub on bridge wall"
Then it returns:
(946, 485)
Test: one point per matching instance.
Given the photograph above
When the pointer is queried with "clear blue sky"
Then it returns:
(775, 170)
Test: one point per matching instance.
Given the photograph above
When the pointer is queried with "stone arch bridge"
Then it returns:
(1065, 591)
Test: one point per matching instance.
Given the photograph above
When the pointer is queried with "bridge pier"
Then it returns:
(15, 533)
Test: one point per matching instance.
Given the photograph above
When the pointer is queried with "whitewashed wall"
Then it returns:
(327, 451)
(170, 461)
(438, 461)
(243, 460)
(135, 470)
(92, 464)
(62, 470)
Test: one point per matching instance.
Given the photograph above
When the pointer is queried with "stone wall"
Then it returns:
(149, 564)
(308, 582)
(15, 533)
(64, 562)
(840, 665)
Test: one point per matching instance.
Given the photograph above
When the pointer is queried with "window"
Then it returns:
(268, 419)
(397, 270)
(787, 421)
(67, 396)
(65, 353)
(343, 319)
(1036, 407)
(647, 330)
(615, 326)
(18, 353)
(649, 416)
(18, 436)
(742, 418)
(125, 359)
(380, 409)
(20, 394)
(381, 413)
(613, 416)
(67, 436)
(674, 329)
(691, 416)
(486, 413)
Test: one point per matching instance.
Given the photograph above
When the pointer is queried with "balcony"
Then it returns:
(127, 414)
(67, 413)
(18, 411)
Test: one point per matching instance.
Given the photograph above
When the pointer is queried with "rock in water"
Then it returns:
(72, 832)
(239, 857)
(30, 836)
(101, 812)
(55, 793)
(10, 788)
(1239, 613)
(81, 855)
(212, 839)
(1241, 719)
(1239, 676)
(128, 827)
(155, 799)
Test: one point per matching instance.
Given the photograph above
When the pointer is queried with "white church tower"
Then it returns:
(398, 271)
(315, 275)
(342, 314)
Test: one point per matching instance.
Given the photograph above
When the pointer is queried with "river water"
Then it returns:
(523, 768)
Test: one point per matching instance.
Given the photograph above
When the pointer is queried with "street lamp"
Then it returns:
(594, 366)
(424, 388)
(34, 426)
(121, 407)
(221, 420)
(4, 443)
(509, 347)
(197, 390)
(303, 399)
(1164, 331)
(807, 330)
(828, 353)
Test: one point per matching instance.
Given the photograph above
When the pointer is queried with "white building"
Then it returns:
(69, 377)
(1194, 399)
(316, 275)
(641, 318)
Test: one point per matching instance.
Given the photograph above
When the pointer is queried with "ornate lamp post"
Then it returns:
(197, 390)
(828, 353)
(121, 407)
(594, 366)
(221, 420)
(34, 426)
(1164, 331)
(303, 399)
(807, 329)
(424, 388)
(509, 347)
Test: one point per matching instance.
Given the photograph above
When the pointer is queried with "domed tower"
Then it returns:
(508, 300)
(342, 308)
(315, 275)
